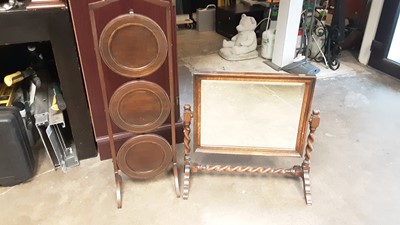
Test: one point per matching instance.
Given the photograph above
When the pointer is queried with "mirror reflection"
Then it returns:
(250, 113)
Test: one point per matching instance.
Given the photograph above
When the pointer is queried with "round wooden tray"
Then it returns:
(144, 156)
(139, 106)
(133, 45)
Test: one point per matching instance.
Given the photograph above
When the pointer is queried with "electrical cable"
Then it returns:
(267, 18)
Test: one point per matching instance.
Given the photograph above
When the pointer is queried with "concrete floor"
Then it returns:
(354, 167)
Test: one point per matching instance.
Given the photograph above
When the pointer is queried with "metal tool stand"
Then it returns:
(52, 130)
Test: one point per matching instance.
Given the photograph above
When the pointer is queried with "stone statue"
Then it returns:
(244, 44)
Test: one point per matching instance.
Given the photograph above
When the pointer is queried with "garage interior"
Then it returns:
(354, 162)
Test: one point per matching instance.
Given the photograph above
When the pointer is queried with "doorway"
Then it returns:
(394, 49)
(385, 50)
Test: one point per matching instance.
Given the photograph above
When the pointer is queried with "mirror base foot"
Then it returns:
(176, 179)
(307, 187)
(118, 184)
(186, 181)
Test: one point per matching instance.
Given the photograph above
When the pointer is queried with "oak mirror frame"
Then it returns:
(252, 113)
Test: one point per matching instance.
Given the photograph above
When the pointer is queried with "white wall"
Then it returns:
(370, 31)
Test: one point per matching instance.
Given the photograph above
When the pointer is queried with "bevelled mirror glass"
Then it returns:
(252, 113)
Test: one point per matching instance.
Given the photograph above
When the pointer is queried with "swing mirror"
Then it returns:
(252, 113)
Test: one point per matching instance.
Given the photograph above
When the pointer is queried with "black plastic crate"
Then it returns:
(17, 163)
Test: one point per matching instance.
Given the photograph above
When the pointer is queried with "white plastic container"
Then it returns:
(206, 18)
(267, 45)
(318, 42)
(298, 43)
(314, 50)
